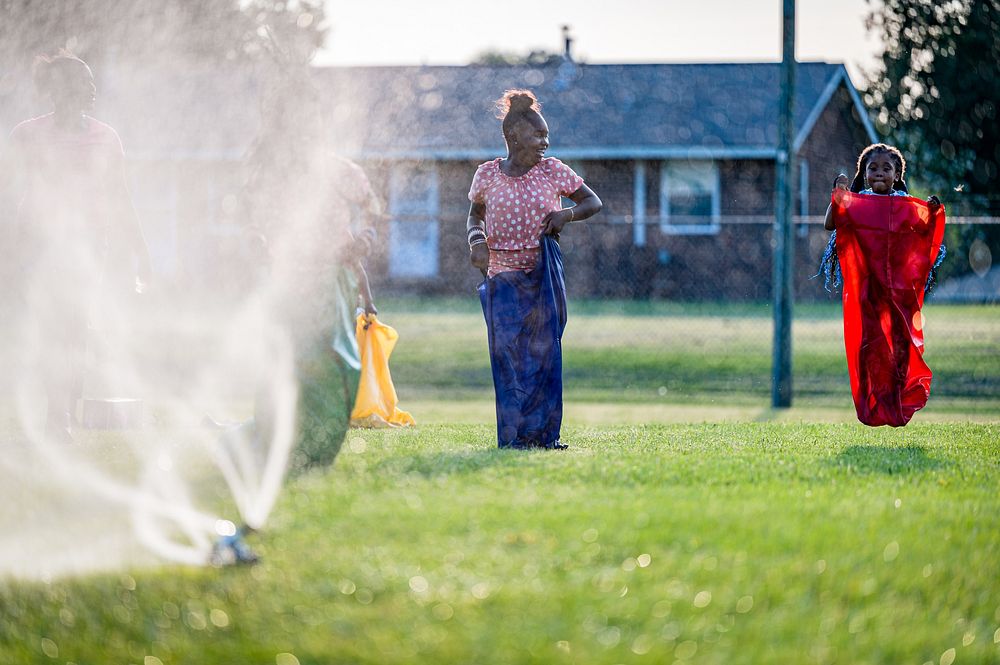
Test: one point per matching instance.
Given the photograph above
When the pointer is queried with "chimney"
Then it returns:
(568, 44)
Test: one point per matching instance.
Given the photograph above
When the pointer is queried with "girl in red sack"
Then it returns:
(885, 248)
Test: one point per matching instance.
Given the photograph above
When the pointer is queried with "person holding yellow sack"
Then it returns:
(376, 403)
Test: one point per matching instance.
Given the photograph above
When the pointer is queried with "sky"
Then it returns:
(442, 32)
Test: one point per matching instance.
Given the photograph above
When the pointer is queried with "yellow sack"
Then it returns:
(375, 405)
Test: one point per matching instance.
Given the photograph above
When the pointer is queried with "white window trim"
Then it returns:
(397, 171)
(689, 229)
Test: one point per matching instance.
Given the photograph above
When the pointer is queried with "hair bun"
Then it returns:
(522, 101)
(516, 103)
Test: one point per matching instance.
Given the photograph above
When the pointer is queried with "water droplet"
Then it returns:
(641, 645)
(218, 618)
(347, 587)
(443, 611)
(744, 604)
(686, 649)
(50, 648)
(897, 503)
(481, 590)
(419, 584)
(968, 639)
(610, 636)
(629, 564)
(285, 659)
(661, 609)
(643, 560)
(948, 657)
(703, 598)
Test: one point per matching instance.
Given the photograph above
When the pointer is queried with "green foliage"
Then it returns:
(168, 29)
(534, 58)
(936, 93)
(727, 543)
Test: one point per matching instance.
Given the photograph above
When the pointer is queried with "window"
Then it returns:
(413, 227)
(689, 197)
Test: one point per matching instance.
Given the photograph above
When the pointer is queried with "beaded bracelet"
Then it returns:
(476, 236)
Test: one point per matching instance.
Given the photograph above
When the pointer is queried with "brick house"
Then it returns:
(683, 156)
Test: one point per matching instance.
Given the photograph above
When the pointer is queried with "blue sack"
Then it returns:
(525, 317)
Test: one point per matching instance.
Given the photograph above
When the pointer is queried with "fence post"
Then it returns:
(784, 241)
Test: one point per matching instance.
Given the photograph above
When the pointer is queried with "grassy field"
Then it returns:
(717, 543)
(669, 353)
(688, 522)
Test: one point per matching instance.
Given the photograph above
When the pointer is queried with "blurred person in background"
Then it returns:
(315, 214)
(75, 223)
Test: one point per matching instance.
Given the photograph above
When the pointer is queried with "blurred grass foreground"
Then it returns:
(688, 522)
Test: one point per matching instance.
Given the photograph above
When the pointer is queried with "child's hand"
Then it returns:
(554, 222)
(361, 245)
(479, 256)
(933, 202)
(840, 182)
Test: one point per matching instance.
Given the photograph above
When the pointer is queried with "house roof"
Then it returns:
(593, 111)
(446, 112)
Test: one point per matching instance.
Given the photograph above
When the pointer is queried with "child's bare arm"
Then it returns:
(127, 223)
(475, 227)
(588, 204)
(840, 182)
(365, 289)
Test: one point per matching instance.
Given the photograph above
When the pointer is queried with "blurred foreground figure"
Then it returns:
(314, 214)
(74, 205)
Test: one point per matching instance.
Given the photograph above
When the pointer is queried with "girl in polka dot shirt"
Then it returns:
(513, 227)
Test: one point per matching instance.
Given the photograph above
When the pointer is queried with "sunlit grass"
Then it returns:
(677, 353)
(713, 543)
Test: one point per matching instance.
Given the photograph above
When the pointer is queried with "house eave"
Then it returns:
(580, 152)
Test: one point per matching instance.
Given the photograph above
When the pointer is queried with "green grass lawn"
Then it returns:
(772, 542)
(688, 523)
(690, 353)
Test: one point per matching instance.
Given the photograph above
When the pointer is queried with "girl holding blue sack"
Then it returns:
(513, 229)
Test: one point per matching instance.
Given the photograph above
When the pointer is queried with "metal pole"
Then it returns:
(784, 241)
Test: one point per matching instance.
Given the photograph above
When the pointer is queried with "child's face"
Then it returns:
(532, 137)
(880, 173)
(74, 88)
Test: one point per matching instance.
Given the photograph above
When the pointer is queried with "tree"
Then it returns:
(138, 29)
(936, 94)
(535, 58)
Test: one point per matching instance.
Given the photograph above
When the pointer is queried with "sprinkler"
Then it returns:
(231, 548)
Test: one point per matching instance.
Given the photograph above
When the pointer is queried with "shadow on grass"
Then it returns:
(453, 462)
(887, 460)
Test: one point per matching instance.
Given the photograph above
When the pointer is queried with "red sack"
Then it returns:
(886, 246)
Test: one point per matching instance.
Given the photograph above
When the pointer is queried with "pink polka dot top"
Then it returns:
(515, 208)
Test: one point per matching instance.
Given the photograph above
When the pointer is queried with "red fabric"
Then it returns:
(886, 246)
